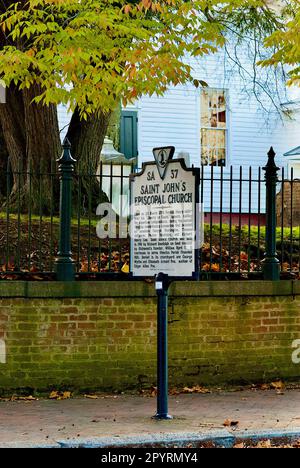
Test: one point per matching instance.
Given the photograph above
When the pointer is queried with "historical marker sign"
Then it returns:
(164, 231)
(164, 218)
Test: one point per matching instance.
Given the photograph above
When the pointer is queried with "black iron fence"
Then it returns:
(49, 222)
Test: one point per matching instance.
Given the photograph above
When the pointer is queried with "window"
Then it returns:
(213, 127)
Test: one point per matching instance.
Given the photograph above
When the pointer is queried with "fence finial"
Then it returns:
(66, 143)
(271, 152)
(66, 157)
(271, 168)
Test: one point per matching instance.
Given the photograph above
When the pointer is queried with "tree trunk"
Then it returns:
(87, 139)
(43, 147)
(3, 167)
(12, 123)
(31, 135)
(43, 144)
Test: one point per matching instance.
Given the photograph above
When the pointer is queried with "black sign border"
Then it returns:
(196, 173)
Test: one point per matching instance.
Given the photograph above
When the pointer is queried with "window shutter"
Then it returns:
(129, 142)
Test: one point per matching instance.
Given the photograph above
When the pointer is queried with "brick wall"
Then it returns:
(102, 335)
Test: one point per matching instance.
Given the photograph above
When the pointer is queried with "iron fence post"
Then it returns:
(65, 267)
(271, 265)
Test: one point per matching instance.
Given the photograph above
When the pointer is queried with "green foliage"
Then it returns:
(91, 53)
(285, 42)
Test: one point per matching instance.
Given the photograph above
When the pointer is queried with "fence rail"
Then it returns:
(247, 215)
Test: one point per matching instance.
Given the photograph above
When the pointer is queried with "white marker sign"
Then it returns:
(164, 220)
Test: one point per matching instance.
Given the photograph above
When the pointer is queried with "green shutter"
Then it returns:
(129, 144)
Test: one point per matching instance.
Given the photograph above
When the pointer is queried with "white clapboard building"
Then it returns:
(229, 123)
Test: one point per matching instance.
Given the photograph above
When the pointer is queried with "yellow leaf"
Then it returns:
(125, 268)
(54, 395)
(279, 385)
(196, 389)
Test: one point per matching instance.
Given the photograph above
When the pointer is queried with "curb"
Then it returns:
(219, 438)
(210, 439)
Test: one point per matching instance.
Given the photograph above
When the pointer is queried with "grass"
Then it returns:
(35, 219)
(253, 234)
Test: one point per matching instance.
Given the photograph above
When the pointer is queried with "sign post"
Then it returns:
(164, 232)
(162, 287)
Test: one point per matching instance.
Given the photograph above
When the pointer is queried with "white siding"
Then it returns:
(291, 132)
(64, 118)
(169, 120)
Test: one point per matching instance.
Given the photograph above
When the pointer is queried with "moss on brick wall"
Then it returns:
(103, 335)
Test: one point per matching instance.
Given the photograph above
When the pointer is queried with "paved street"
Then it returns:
(46, 421)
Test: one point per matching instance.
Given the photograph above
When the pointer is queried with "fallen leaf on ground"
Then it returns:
(229, 423)
(239, 446)
(125, 268)
(196, 389)
(264, 444)
(23, 398)
(54, 395)
(91, 397)
(265, 387)
(279, 385)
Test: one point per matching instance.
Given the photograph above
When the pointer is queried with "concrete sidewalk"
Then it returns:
(44, 422)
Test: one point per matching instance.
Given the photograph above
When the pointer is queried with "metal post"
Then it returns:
(162, 286)
(65, 267)
(271, 265)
